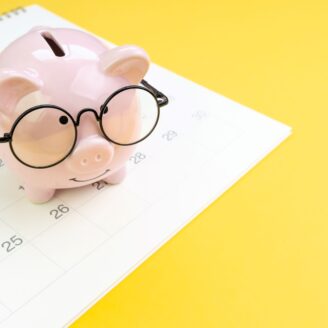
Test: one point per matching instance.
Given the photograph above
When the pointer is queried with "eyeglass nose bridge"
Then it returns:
(85, 110)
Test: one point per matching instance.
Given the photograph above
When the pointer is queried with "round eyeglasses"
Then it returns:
(45, 135)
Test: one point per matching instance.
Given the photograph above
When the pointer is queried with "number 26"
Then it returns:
(59, 211)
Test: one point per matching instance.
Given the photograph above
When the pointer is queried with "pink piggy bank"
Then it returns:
(72, 109)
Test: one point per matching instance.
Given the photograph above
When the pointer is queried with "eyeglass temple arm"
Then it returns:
(162, 99)
(6, 138)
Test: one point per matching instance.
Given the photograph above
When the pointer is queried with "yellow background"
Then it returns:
(258, 256)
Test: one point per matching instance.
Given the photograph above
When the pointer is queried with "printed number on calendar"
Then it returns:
(137, 158)
(200, 114)
(12, 243)
(169, 135)
(99, 185)
(60, 211)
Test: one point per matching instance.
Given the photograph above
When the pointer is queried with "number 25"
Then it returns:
(11, 244)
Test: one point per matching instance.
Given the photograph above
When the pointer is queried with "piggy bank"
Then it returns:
(72, 109)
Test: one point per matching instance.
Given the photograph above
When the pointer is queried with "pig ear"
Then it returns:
(13, 86)
(128, 61)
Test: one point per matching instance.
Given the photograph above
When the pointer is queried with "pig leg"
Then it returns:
(38, 195)
(116, 177)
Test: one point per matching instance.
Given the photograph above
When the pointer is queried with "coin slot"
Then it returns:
(53, 44)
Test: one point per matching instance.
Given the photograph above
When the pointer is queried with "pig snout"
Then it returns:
(91, 155)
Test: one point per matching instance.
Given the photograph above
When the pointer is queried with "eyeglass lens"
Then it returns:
(131, 115)
(43, 137)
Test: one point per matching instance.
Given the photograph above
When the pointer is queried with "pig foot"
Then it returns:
(39, 196)
(116, 177)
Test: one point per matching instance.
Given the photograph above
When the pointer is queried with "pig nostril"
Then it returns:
(84, 161)
(98, 158)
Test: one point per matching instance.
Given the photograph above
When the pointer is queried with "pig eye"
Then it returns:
(106, 110)
(63, 120)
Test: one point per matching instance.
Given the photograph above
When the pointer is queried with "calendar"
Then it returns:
(57, 259)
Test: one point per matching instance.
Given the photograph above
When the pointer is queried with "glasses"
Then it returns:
(45, 135)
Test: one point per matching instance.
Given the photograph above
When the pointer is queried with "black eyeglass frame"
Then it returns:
(160, 98)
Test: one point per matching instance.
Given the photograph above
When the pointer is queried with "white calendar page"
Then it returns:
(59, 258)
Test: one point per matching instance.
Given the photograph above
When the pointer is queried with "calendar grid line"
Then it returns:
(236, 139)
(34, 296)
(15, 251)
(119, 230)
(77, 208)
(48, 258)
(35, 236)
(64, 271)
(5, 223)
(11, 204)
(90, 199)
(61, 275)
(29, 241)
(5, 306)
